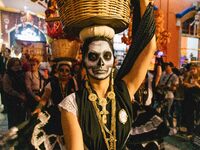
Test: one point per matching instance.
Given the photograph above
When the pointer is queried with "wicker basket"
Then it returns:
(64, 48)
(77, 14)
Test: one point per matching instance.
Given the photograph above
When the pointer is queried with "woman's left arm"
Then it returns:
(138, 71)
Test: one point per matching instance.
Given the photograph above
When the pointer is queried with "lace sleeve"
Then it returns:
(69, 104)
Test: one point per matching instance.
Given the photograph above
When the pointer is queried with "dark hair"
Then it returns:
(7, 49)
(11, 62)
(169, 64)
(176, 71)
(87, 42)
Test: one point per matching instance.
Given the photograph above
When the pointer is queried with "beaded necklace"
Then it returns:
(110, 140)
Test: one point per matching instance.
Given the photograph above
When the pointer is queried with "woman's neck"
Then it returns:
(63, 83)
(100, 86)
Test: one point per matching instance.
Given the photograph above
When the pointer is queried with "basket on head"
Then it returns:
(78, 14)
(62, 48)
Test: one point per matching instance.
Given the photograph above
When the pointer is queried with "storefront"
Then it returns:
(178, 15)
(23, 33)
(189, 22)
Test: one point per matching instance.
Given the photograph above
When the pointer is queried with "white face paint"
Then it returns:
(99, 60)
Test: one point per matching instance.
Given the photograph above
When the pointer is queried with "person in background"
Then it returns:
(76, 74)
(144, 99)
(168, 82)
(25, 62)
(34, 83)
(44, 71)
(54, 92)
(4, 57)
(192, 98)
(178, 100)
(15, 92)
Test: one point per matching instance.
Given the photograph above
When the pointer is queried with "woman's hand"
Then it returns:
(36, 111)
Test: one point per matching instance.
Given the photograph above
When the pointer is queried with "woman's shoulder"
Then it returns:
(69, 104)
(71, 97)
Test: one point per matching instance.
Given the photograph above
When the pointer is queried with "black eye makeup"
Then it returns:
(93, 56)
(107, 55)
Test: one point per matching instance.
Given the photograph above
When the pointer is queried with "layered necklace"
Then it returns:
(108, 135)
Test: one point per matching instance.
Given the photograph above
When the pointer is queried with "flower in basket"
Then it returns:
(54, 29)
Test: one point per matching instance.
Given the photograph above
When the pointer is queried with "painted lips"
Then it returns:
(99, 71)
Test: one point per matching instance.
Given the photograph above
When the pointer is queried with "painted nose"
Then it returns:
(100, 62)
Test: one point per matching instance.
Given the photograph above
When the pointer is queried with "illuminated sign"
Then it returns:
(27, 35)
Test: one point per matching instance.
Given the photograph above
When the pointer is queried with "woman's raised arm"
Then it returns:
(138, 71)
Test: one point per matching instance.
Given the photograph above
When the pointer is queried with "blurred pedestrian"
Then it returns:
(192, 98)
(4, 57)
(54, 92)
(34, 83)
(15, 92)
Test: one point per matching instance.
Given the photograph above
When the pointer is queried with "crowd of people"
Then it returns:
(175, 96)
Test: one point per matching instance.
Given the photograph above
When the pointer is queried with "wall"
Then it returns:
(171, 8)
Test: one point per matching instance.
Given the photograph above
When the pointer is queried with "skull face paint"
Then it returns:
(99, 60)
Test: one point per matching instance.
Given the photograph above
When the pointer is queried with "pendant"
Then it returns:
(111, 95)
(92, 97)
(123, 117)
(104, 119)
(102, 102)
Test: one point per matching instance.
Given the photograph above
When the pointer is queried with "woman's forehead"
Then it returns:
(99, 46)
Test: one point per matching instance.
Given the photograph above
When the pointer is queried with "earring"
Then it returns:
(112, 78)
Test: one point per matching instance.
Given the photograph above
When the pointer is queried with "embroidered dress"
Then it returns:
(50, 122)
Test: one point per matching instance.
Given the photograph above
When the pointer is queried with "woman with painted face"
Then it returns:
(54, 92)
(15, 92)
(99, 116)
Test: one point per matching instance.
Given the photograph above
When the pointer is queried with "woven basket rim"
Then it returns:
(78, 14)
